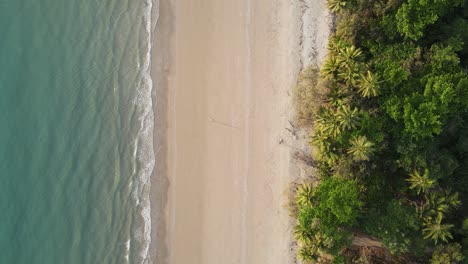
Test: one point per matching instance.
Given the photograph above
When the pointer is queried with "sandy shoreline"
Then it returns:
(225, 79)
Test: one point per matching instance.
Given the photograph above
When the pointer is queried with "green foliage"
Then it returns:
(372, 128)
(415, 15)
(390, 115)
(397, 225)
(421, 119)
(303, 231)
(444, 58)
(435, 230)
(465, 224)
(421, 182)
(328, 124)
(413, 18)
(369, 85)
(424, 112)
(361, 148)
(344, 63)
(338, 201)
(338, 260)
(337, 5)
(447, 254)
(308, 254)
(349, 55)
(318, 220)
(330, 68)
(347, 119)
(396, 61)
(437, 204)
(304, 195)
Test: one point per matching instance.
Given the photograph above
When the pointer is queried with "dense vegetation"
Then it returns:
(389, 112)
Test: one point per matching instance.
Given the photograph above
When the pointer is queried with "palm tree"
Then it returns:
(328, 156)
(319, 139)
(452, 198)
(336, 6)
(327, 124)
(361, 148)
(349, 73)
(434, 206)
(368, 84)
(348, 55)
(335, 45)
(304, 195)
(302, 234)
(323, 240)
(347, 118)
(422, 183)
(336, 96)
(435, 230)
(330, 68)
(439, 203)
(348, 58)
(326, 151)
(308, 254)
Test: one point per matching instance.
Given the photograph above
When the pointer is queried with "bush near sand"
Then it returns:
(309, 95)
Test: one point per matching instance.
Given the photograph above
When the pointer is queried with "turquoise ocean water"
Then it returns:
(75, 131)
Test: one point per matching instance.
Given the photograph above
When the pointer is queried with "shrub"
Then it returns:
(309, 96)
(397, 225)
(338, 201)
(447, 254)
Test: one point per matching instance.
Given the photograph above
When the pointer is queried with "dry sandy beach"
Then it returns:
(226, 77)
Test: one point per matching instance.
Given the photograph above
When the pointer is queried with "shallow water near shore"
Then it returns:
(76, 126)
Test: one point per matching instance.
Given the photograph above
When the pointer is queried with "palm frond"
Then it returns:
(304, 195)
(361, 149)
(369, 85)
(421, 182)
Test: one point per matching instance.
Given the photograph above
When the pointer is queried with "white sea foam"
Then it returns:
(127, 250)
(144, 144)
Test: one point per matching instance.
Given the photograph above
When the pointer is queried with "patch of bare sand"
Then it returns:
(229, 80)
